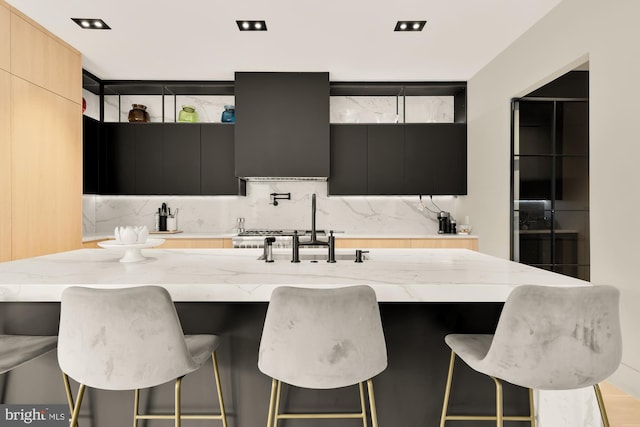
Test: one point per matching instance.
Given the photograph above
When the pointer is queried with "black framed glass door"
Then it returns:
(550, 184)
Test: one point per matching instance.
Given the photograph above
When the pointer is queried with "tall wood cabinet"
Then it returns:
(5, 166)
(40, 140)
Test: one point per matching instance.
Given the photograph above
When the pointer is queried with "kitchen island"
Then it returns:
(424, 294)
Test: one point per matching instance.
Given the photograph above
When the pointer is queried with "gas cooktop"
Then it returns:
(266, 232)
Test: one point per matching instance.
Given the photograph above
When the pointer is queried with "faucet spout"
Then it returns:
(313, 218)
(314, 234)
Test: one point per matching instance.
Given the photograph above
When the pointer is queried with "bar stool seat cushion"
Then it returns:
(549, 338)
(201, 346)
(322, 338)
(125, 339)
(16, 350)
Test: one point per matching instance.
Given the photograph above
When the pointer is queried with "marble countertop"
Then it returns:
(235, 275)
(190, 235)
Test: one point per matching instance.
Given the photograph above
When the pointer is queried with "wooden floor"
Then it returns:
(623, 410)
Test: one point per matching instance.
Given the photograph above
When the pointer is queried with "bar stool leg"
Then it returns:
(603, 411)
(499, 409)
(67, 389)
(447, 390)
(363, 408)
(272, 401)
(177, 413)
(372, 404)
(76, 408)
(216, 372)
(136, 407)
(532, 410)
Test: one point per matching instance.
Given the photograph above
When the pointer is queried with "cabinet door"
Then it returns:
(449, 158)
(149, 158)
(181, 159)
(120, 151)
(90, 155)
(385, 159)
(282, 124)
(436, 158)
(419, 160)
(348, 160)
(217, 160)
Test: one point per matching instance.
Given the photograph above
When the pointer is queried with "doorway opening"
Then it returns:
(550, 177)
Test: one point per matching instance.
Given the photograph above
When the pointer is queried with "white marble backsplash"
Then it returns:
(391, 109)
(372, 215)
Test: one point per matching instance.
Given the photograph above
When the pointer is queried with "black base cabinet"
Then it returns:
(398, 159)
(168, 159)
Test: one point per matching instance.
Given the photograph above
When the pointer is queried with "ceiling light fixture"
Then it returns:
(245, 25)
(410, 25)
(91, 23)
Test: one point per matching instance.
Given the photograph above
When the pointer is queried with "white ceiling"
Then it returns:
(352, 39)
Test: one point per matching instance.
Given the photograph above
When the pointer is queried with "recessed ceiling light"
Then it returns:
(410, 25)
(91, 23)
(246, 25)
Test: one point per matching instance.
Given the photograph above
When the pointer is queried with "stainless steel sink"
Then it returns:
(282, 256)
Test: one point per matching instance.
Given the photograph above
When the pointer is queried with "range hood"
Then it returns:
(282, 126)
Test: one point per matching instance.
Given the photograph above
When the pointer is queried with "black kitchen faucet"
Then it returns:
(330, 243)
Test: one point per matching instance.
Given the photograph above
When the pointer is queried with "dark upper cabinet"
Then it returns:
(348, 160)
(217, 172)
(169, 159)
(119, 159)
(436, 158)
(385, 159)
(90, 155)
(399, 159)
(282, 124)
(149, 157)
(181, 159)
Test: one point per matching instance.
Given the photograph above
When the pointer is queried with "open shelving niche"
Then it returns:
(350, 102)
(390, 102)
(163, 99)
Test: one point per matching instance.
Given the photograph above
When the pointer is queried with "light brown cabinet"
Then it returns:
(5, 37)
(460, 243)
(47, 184)
(42, 59)
(40, 140)
(5, 166)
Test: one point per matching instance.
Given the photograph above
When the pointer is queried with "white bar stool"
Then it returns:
(16, 350)
(547, 338)
(128, 339)
(322, 339)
